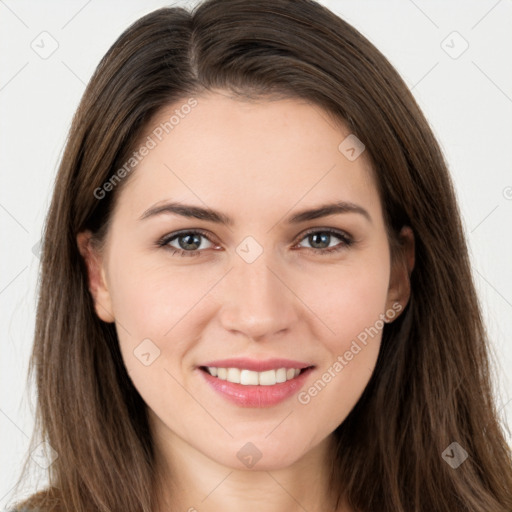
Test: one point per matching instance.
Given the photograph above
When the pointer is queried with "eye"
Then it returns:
(320, 240)
(188, 243)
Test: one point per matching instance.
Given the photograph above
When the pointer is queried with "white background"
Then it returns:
(468, 101)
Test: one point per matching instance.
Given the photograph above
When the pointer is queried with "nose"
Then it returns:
(256, 300)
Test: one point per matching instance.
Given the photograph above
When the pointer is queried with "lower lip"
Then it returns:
(256, 396)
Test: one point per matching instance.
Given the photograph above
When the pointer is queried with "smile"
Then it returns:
(250, 388)
(253, 378)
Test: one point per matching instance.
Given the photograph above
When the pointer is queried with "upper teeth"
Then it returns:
(248, 377)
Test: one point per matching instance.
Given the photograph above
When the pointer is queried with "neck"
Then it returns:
(192, 482)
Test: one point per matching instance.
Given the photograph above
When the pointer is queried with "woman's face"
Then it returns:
(271, 283)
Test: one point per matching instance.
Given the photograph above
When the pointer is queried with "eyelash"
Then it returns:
(346, 241)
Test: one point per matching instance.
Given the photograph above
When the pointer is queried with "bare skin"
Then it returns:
(258, 163)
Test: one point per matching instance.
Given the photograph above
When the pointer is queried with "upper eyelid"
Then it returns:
(334, 231)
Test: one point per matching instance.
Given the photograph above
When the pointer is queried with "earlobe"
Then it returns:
(399, 290)
(95, 277)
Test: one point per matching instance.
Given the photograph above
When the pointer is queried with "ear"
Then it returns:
(399, 290)
(96, 276)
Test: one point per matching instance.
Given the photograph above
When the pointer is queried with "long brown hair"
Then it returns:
(432, 383)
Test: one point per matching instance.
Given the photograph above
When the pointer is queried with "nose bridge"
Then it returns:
(255, 301)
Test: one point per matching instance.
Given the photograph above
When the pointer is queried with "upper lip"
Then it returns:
(257, 365)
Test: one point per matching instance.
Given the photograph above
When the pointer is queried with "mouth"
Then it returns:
(247, 377)
(263, 384)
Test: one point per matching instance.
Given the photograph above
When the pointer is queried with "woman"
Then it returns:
(256, 291)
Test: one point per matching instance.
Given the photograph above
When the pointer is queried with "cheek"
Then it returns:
(156, 303)
(156, 313)
(351, 303)
(353, 313)
(151, 298)
(346, 298)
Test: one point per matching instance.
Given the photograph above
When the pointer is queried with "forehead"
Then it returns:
(251, 154)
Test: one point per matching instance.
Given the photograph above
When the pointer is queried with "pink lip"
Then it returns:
(256, 396)
(257, 366)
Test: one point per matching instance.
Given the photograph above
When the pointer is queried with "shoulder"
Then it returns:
(41, 501)
(23, 509)
(48, 499)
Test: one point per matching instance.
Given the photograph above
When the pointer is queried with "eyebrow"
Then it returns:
(211, 215)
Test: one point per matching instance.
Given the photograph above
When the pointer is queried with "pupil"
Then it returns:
(324, 239)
